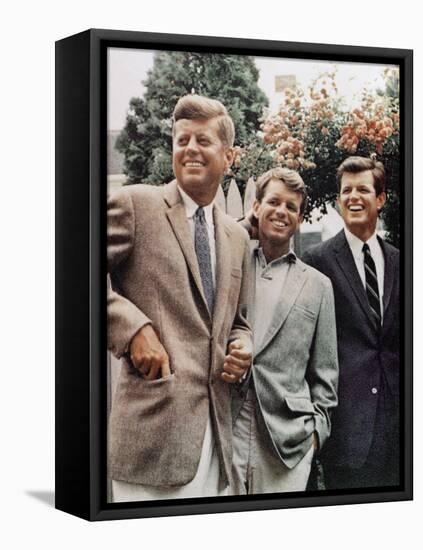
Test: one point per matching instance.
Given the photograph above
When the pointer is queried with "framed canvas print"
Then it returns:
(233, 274)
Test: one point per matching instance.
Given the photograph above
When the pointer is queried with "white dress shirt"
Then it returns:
(356, 246)
(190, 209)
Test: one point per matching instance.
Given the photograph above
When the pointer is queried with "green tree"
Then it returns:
(146, 138)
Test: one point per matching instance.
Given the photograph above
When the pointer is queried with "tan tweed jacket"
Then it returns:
(157, 427)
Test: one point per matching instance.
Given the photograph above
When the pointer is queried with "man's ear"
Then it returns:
(380, 201)
(229, 154)
(256, 208)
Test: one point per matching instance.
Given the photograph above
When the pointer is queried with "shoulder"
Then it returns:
(324, 249)
(389, 248)
(317, 278)
(391, 257)
(138, 190)
(327, 246)
(137, 196)
(233, 227)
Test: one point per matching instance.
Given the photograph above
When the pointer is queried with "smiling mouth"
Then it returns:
(279, 224)
(355, 208)
(193, 164)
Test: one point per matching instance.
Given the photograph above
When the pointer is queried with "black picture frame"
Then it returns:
(81, 173)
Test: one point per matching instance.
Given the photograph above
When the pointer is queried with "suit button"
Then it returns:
(374, 391)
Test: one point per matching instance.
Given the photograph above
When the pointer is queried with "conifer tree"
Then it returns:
(146, 138)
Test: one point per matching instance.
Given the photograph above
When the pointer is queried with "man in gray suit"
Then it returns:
(177, 318)
(282, 409)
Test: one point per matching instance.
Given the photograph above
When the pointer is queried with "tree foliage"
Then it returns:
(314, 132)
(146, 138)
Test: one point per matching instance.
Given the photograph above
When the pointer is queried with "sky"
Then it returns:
(127, 68)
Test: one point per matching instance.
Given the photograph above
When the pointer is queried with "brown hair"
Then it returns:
(196, 106)
(290, 178)
(355, 165)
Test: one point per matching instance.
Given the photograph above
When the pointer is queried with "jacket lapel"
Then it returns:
(346, 263)
(252, 290)
(223, 268)
(388, 276)
(178, 220)
(294, 282)
(251, 310)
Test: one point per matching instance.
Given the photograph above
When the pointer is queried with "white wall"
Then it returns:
(29, 30)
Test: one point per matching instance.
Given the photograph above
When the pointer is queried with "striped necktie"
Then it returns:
(202, 249)
(372, 288)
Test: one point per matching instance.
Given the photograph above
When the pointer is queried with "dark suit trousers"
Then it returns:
(382, 467)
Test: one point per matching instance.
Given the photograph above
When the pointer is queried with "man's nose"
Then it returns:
(192, 145)
(281, 209)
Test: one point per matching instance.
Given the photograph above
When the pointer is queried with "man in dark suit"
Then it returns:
(363, 450)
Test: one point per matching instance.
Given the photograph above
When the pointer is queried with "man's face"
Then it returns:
(199, 158)
(278, 215)
(359, 204)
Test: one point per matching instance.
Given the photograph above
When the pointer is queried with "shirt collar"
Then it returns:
(191, 207)
(356, 244)
(290, 257)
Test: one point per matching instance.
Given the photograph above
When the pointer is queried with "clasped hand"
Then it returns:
(236, 362)
(151, 360)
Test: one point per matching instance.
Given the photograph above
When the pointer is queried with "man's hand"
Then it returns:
(251, 224)
(148, 355)
(236, 362)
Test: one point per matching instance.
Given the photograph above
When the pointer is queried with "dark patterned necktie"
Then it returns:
(372, 288)
(202, 249)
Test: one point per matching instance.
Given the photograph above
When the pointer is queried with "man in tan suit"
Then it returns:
(177, 318)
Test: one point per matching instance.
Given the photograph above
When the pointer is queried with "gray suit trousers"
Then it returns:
(256, 467)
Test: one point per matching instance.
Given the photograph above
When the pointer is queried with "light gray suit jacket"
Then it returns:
(295, 368)
(157, 427)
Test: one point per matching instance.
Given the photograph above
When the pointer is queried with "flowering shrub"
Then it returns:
(314, 132)
(375, 123)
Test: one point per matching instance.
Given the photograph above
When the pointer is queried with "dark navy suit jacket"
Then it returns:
(366, 353)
